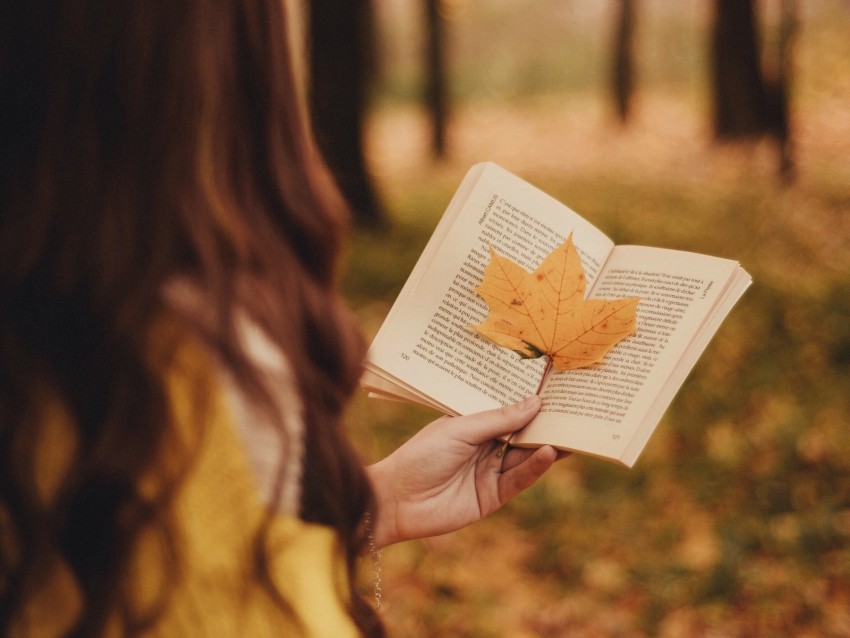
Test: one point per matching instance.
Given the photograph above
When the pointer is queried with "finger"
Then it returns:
(521, 476)
(484, 426)
(516, 455)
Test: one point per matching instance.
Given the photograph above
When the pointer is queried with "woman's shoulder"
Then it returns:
(218, 512)
(270, 433)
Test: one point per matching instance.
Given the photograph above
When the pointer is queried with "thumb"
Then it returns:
(485, 426)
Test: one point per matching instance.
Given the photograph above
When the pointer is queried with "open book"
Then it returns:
(426, 353)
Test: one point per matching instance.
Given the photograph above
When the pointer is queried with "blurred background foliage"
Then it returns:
(736, 519)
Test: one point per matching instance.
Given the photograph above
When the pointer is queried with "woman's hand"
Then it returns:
(450, 475)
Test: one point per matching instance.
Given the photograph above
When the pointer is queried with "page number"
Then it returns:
(405, 356)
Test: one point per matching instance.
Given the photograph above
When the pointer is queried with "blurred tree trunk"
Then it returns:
(787, 34)
(435, 84)
(340, 62)
(623, 75)
(746, 103)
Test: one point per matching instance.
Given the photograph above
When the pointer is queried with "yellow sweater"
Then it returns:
(217, 511)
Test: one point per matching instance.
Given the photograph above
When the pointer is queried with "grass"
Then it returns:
(736, 519)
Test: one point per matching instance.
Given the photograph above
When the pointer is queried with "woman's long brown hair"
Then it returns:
(142, 141)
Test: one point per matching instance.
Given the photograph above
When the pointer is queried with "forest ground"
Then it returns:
(735, 522)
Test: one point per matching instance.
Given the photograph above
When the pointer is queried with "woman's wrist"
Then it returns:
(384, 531)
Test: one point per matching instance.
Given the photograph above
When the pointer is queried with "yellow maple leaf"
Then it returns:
(544, 313)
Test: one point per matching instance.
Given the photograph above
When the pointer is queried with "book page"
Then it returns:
(425, 346)
(598, 409)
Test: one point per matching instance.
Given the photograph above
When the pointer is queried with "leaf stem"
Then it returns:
(546, 371)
